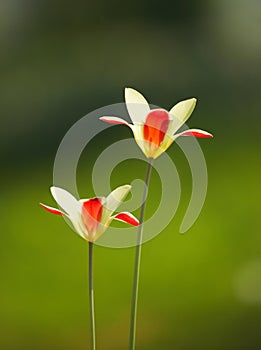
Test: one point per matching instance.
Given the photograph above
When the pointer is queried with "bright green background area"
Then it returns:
(200, 290)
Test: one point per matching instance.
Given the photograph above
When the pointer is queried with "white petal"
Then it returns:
(116, 197)
(72, 207)
(66, 201)
(139, 138)
(180, 114)
(137, 106)
(79, 227)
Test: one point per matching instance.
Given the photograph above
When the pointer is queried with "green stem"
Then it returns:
(91, 297)
(133, 318)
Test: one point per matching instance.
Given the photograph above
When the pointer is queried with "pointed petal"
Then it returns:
(137, 106)
(116, 197)
(66, 201)
(114, 120)
(72, 208)
(156, 126)
(127, 217)
(195, 132)
(92, 214)
(181, 112)
(93, 207)
(52, 210)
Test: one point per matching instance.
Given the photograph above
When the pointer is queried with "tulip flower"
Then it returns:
(156, 129)
(91, 217)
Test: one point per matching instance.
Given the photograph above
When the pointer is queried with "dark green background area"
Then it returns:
(60, 60)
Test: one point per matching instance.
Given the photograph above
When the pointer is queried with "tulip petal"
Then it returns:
(137, 106)
(138, 135)
(127, 217)
(180, 113)
(72, 207)
(195, 132)
(52, 210)
(156, 126)
(164, 146)
(114, 120)
(79, 227)
(115, 198)
(66, 201)
(92, 213)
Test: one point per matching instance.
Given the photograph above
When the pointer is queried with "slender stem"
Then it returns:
(91, 297)
(135, 287)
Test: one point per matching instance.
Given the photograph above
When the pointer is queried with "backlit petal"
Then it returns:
(116, 197)
(127, 217)
(181, 112)
(156, 126)
(150, 150)
(72, 207)
(114, 120)
(138, 135)
(66, 201)
(163, 147)
(52, 210)
(91, 214)
(195, 132)
(79, 227)
(76, 222)
(137, 106)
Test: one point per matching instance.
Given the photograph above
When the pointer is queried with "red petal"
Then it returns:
(196, 133)
(92, 213)
(52, 210)
(156, 126)
(128, 218)
(113, 120)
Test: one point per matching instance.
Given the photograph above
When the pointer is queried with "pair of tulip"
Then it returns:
(154, 131)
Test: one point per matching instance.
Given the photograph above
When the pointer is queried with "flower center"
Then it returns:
(91, 214)
(156, 126)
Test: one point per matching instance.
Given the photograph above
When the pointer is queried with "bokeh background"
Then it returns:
(60, 60)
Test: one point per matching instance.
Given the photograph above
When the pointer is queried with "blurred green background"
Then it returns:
(60, 60)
